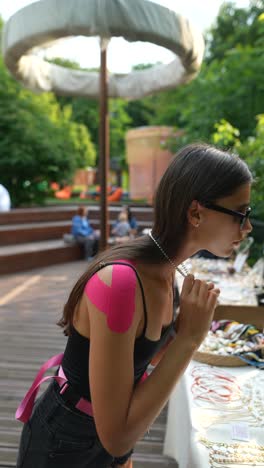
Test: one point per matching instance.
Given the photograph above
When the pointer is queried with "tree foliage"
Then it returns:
(235, 27)
(230, 89)
(39, 141)
(226, 100)
(253, 152)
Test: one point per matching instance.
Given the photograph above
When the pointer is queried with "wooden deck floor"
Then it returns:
(30, 305)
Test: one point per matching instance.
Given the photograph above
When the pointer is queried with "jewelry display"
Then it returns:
(181, 268)
(223, 454)
(220, 392)
(253, 398)
(240, 288)
(230, 338)
(214, 386)
(226, 406)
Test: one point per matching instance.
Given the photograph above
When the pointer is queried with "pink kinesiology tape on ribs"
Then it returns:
(116, 301)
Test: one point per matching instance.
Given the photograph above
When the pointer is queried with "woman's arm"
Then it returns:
(162, 351)
(124, 413)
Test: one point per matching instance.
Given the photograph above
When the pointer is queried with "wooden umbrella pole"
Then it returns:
(104, 146)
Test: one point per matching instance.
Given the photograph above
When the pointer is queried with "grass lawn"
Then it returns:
(81, 201)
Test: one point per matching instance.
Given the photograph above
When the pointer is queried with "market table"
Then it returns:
(187, 421)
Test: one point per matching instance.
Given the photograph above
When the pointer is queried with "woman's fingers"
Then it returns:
(199, 291)
(196, 287)
(197, 304)
(203, 292)
(187, 285)
(212, 298)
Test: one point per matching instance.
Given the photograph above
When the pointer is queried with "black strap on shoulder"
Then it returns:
(103, 264)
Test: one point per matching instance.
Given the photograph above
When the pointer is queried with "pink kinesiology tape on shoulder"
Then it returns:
(116, 301)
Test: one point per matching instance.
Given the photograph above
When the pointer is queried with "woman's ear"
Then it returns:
(194, 215)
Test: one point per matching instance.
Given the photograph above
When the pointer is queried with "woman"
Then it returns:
(119, 317)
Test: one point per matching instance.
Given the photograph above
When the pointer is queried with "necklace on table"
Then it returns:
(223, 454)
(219, 391)
(181, 268)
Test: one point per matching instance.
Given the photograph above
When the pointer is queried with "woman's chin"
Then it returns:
(223, 253)
(228, 252)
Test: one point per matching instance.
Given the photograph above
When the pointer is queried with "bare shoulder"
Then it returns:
(113, 291)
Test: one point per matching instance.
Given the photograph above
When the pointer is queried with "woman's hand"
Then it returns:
(198, 301)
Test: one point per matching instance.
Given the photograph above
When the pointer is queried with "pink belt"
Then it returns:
(24, 410)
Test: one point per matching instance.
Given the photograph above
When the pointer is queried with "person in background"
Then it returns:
(131, 220)
(5, 202)
(84, 234)
(122, 229)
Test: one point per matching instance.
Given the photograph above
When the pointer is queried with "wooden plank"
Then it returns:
(60, 213)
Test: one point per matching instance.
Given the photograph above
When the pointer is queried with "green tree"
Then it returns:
(230, 89)
(119, 123)
(226, 135)
(140, 111)
(39, 142)
(235, 27)
(253, 152)
(1, 28)
(230, 83)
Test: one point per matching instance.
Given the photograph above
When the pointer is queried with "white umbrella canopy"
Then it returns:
(139, 20)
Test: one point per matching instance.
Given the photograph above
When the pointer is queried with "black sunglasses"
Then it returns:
(242, 216)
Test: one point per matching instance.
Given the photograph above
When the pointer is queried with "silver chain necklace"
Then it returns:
(181, 269)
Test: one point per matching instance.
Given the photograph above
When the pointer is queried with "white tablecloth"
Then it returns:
(185, 422)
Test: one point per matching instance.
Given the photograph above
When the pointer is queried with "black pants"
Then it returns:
(58, 436)
(89, 246)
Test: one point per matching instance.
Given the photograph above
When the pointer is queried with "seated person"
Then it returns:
(84, 234)
(121, 229)
(131, 220)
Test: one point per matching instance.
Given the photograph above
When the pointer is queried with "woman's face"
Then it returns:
(221, 232)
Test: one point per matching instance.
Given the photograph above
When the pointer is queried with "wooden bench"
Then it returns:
(37, 254)
(33, 238)
(33, 232)
(65, 213)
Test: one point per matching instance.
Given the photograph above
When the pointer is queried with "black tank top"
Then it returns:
(76, 356)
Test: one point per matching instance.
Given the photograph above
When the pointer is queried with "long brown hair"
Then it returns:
(197, 172)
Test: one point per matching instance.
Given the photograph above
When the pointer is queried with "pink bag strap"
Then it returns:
(24, 410)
